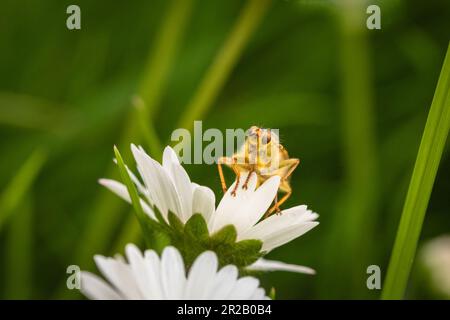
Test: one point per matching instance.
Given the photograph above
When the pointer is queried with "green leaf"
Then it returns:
(422, 180)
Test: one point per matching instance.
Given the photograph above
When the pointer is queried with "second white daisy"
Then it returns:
(147, 276)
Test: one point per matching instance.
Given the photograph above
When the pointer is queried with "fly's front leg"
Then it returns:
(238, 176)
(251, 169)
(220, 161)
(245, 185)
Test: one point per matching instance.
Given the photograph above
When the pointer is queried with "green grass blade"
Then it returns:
(15, 211)
(148, 132)
(18, 251)
(30, 112)
(20, 185)
(422, 180)
(228, 55)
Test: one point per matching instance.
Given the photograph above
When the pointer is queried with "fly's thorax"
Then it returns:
(259, 153)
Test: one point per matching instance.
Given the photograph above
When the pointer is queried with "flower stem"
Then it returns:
(225, 60)
(421, 184)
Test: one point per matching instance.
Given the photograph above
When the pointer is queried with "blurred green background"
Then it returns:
(351, 103)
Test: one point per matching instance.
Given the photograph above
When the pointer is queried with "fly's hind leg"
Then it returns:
(278, 203)
(276, 206)
(287, 167)
(285, 170)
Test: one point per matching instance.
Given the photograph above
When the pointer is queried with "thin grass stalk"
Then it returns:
(19, 252)
(20, 185)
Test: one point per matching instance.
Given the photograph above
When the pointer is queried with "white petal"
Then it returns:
(274, 240)
(223, 283)
(259, 294)
(153, 266)
(122, 191)
(277, 222)
(244, 288)
(116, 187)
(301, 212)
(181, 181)
(201, 276)
(281, 228)
(172, 274)
(271, 265)
(231, 208)
(169, 157)
(258, 204)
(140, 270)
(119, 275)
(95, 288)
(158, 183)
(204, 202)
(184, 189)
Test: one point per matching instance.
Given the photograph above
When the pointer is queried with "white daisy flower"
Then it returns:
(169, 188)
(147, 276)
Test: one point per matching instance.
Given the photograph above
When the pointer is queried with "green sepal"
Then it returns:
(196, 228)
(227, 234)
(193, 238)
